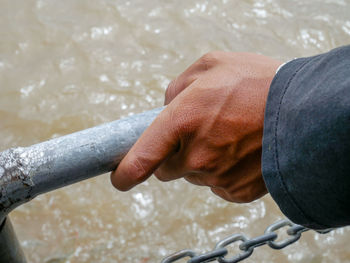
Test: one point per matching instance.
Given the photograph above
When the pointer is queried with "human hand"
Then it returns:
(211, 131)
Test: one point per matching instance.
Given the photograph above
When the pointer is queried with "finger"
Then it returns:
(195, 179)
(153, 147)
(222, 193)
(176, 86)
(175, 166)
(184, 80)
(178, 164)
(171, 169)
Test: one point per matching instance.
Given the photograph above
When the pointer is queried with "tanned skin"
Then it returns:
(211, 131)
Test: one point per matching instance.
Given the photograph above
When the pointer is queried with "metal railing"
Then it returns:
(26, 172)
(10, 249)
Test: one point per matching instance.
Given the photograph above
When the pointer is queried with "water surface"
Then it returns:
(68, 65)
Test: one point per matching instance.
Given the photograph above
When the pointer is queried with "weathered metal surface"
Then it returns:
(10, 250)
(27, 172)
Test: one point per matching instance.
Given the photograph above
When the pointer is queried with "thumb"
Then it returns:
(154, 146)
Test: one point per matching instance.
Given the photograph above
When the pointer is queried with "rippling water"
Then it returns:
(68, 65)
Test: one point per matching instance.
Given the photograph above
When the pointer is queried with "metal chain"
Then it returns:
(219, 253)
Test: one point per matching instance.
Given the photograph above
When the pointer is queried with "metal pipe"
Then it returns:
(10, 249)
(26, 172)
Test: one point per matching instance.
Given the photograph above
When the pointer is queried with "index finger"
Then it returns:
(154, 146)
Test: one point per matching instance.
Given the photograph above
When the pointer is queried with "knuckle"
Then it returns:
(199, 165)
(172, 84)
(204, 161)
(170, 91)
(210, 59)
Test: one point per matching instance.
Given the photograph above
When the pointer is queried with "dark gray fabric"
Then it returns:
(306, 143)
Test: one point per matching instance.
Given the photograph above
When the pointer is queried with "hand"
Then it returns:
(211, 131)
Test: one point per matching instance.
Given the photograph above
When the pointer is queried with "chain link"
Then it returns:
(247, 246)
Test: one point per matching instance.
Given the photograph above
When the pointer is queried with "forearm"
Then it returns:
(306, 146)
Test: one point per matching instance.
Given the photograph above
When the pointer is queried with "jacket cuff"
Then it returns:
(274, 180)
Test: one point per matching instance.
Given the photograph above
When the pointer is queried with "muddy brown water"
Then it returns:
(68, 65)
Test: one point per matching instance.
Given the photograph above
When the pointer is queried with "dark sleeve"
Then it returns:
(306, 143)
